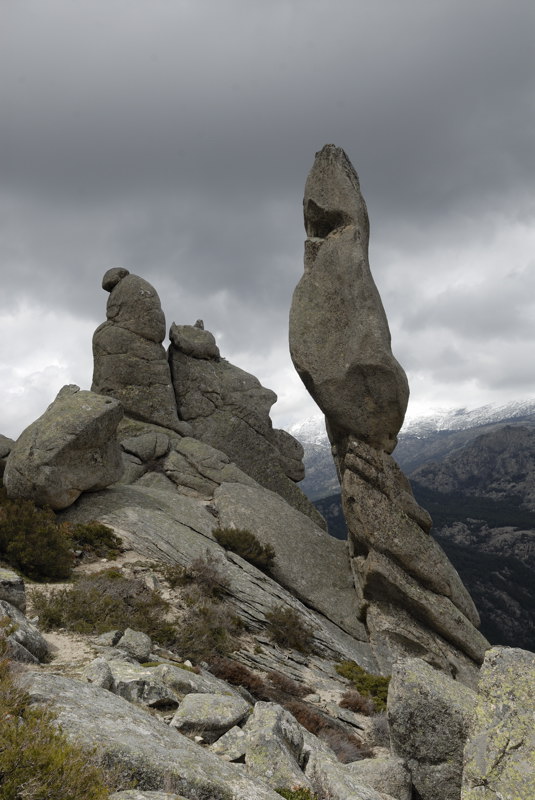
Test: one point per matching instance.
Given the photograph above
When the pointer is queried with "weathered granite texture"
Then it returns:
(429, 716)
(500, 752)
(228, 409)
(339, 335)
(129, 360)
(72, 448)
(6, 445)
(411, 599)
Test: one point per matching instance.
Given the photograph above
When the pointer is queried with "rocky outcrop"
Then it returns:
(70, 449)
(154, 754)
(228, 409)
(500, 752)
(429, 716)
(6, 445)
(176, 529)
(411, 599)
(339, 336)
(129, 360)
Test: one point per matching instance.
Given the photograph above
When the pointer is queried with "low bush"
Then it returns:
(102, 602)
(37, 762)
(346, 746)
(354, 701)
(246, 545)
(94, 539)
(239, 675)
(207, 631)
(287, 685)
(379, 730)
(32, 542)
(204, 573)
(286, 629)
(368, 685)
(297, 793)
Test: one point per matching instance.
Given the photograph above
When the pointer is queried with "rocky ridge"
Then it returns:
(393, 595)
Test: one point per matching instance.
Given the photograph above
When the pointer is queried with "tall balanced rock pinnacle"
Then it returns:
(411, 599)
(130, 362)
(339, 335)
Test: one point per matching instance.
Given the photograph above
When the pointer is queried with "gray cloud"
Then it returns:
(175, 138)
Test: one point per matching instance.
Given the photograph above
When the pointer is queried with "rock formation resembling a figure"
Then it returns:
(412, 600)
(129, 360)
(339, 335)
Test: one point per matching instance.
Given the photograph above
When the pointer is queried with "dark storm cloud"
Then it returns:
(174, 138)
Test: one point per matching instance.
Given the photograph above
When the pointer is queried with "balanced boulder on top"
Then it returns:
(339, 335)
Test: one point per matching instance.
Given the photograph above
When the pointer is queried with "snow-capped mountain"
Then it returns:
(312, 430)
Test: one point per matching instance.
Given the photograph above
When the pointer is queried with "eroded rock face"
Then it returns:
(129, 360)
(228, 409)
(339, 335)
(70, 449)
(499, 755)
(429, 716)
(410, 597)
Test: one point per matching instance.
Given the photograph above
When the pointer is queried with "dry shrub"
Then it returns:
(204, 573)
(286, 628)
(102, 602)
(287, 685)
(297, 793)
(207, 631)
(379, 730)
(239, 675)
(354, 701)
(245, 544)
(346, 746)
(368, 685)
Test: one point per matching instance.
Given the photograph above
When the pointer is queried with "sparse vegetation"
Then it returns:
(239, 675)
(286, 629)
(246, 544)
(368, 685)
(297, 793)
(105, 601)
(208, 631)
(347, 747)
(204, 573)
(37, 762)
(354, 701)
(287, 685)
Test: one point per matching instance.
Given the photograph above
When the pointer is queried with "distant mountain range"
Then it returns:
(474, 471)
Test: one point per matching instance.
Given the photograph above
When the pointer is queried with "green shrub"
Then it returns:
(32, 542)
(102, 602)
(37, 762)
(286, 629)
(368, 685)
(246, 545)
(95, 539)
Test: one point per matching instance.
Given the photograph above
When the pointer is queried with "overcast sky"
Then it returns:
(174, 137)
